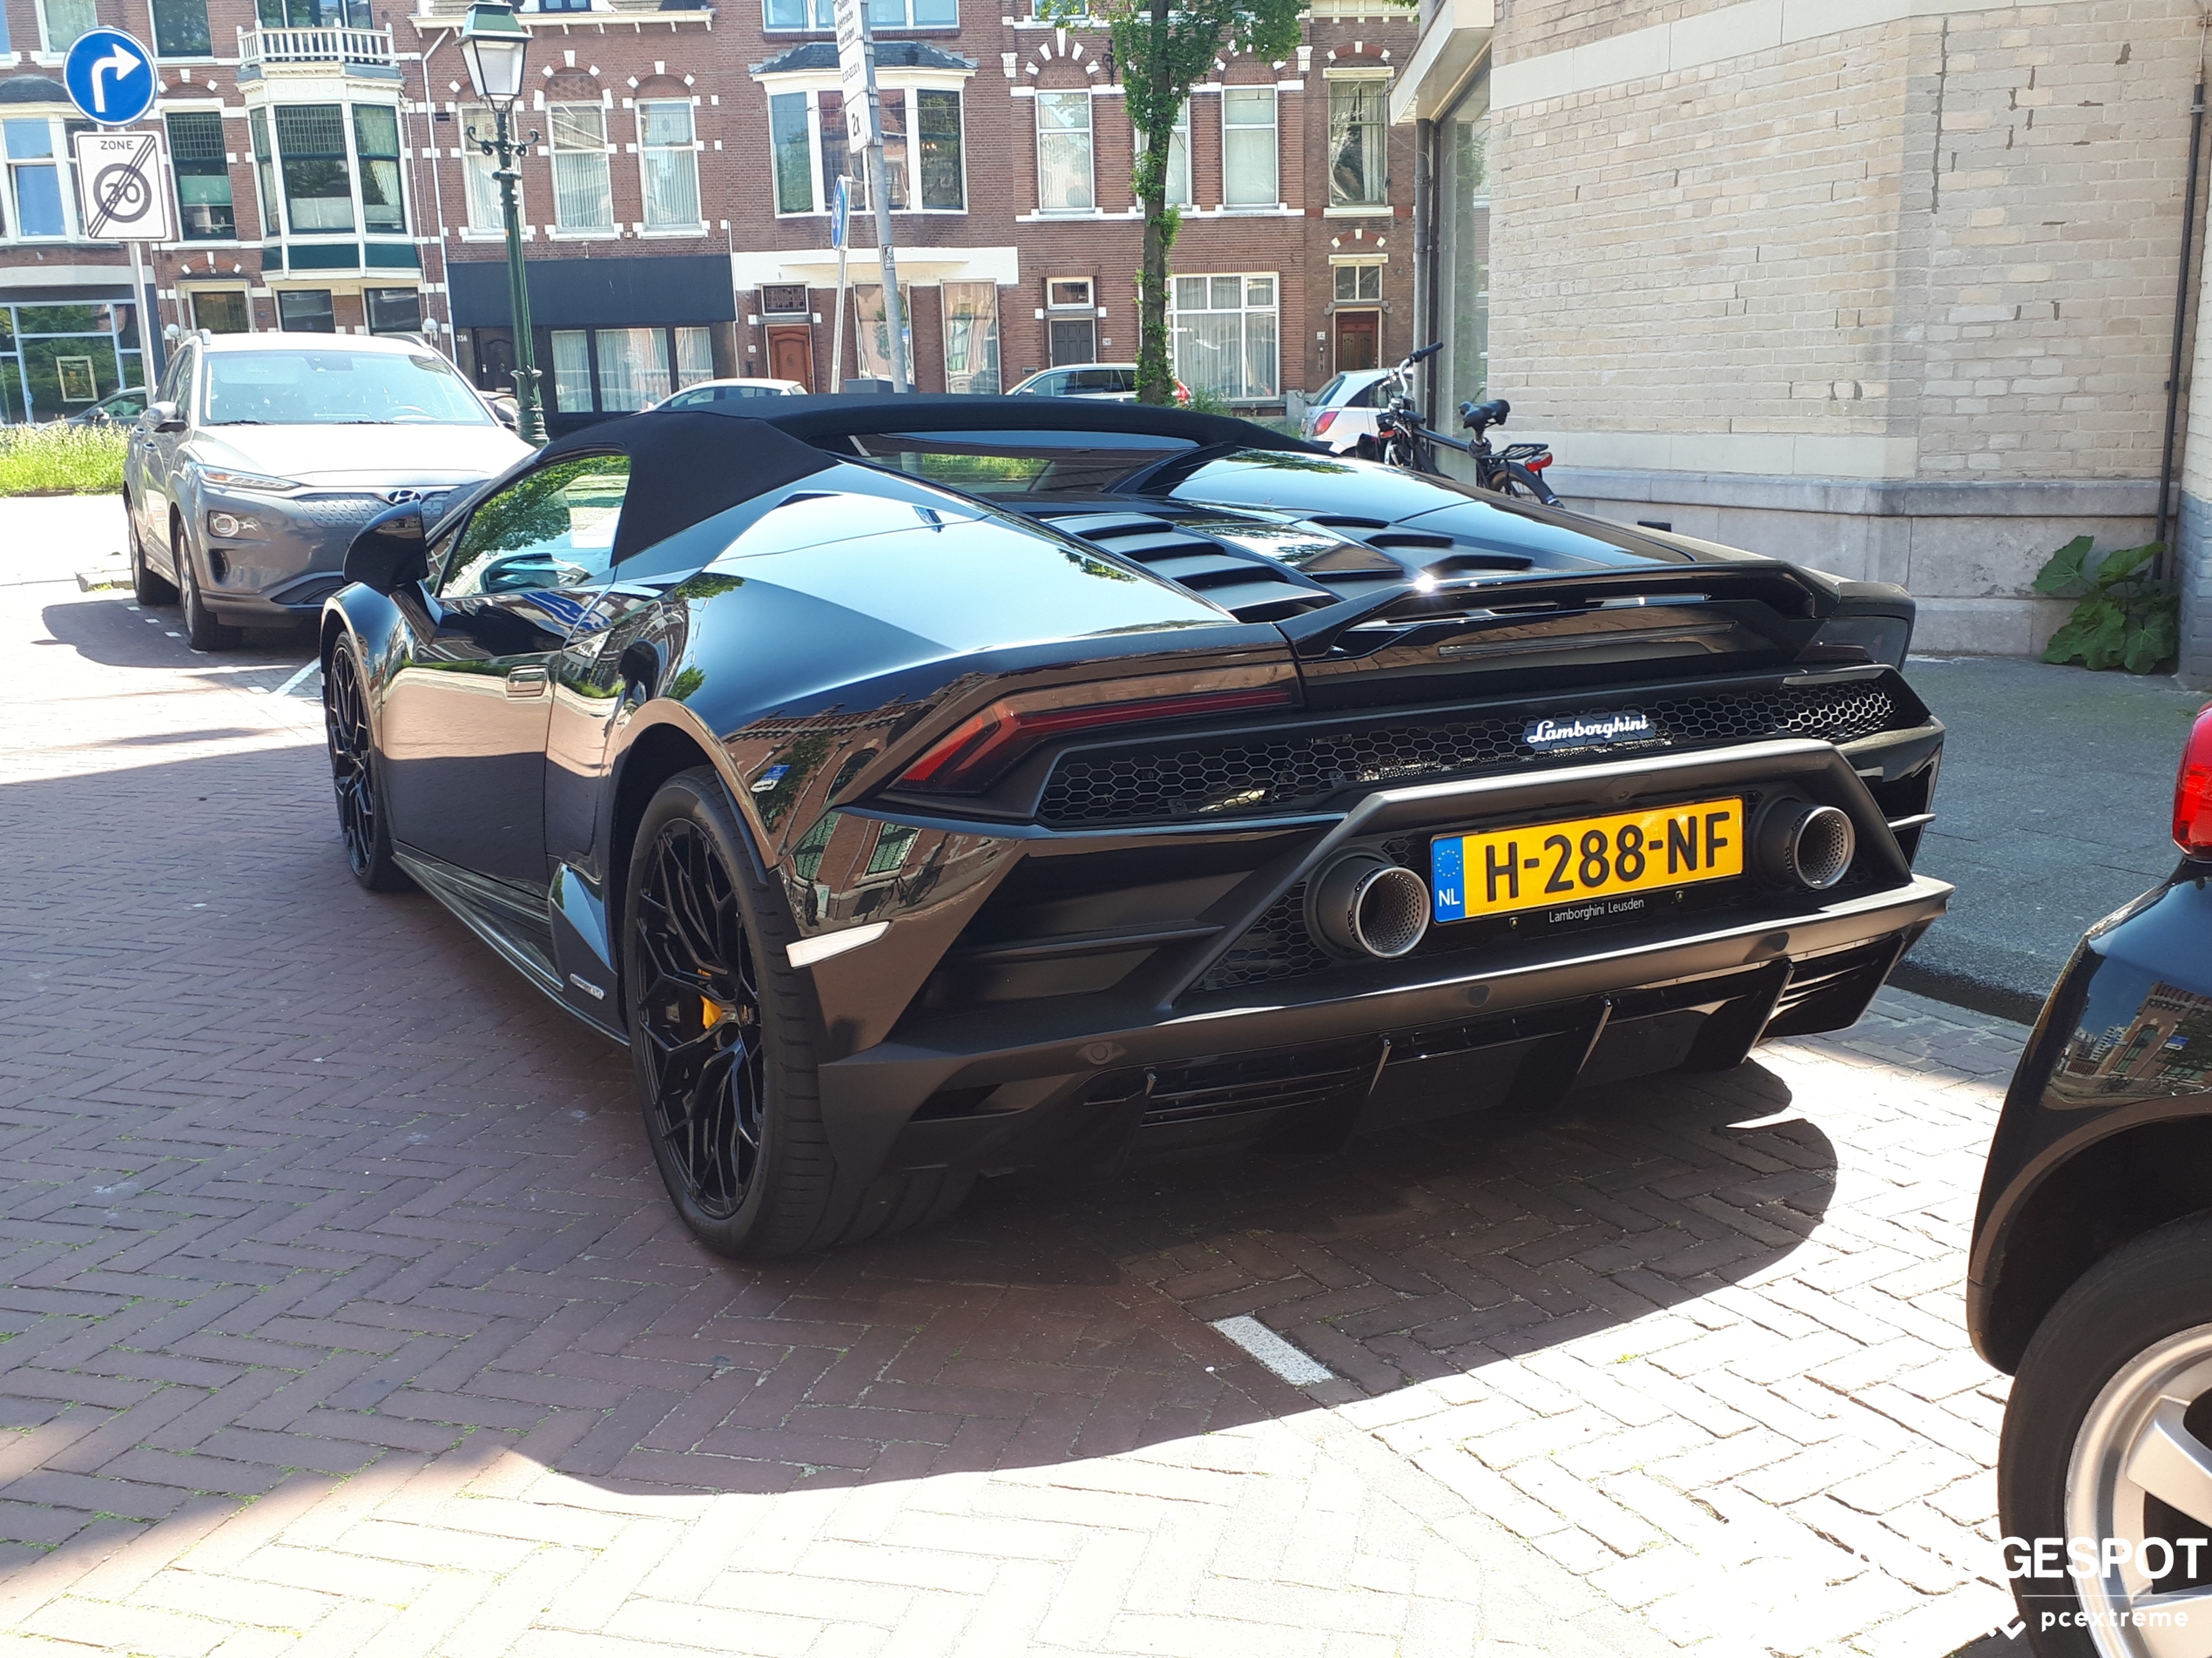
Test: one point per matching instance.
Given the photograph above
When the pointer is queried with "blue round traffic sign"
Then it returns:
(110, 77)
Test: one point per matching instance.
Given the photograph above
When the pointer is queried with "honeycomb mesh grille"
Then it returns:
(1300, 771)
(1275, 947)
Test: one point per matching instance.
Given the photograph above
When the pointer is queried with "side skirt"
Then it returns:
(513, 922)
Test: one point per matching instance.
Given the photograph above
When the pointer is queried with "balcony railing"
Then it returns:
(261, 48)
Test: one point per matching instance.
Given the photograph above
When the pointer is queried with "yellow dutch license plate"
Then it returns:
(1583, 861)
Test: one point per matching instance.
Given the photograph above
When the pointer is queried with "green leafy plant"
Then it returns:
(2128, 617)
(61, 460)
(1161, 48)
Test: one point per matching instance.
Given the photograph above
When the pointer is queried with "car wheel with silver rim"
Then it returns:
(2107, 1450)
(145, 586)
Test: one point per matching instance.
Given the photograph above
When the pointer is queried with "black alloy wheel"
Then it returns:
(202, 631)
(353, 774)
(145, 586)
(696, 1017)
(722, 1035)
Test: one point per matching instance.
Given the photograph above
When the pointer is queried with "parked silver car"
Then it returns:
(261, 454)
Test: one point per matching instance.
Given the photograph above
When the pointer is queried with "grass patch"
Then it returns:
(62, 460)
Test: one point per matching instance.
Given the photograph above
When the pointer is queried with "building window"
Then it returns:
(1359, 170)
(915, 14)
(376, 140)
(1248, 148)
(1063, 154)
(1178, 158)
(1224, 329)
(871, 335)
(47, 352)
(63, 21)
(477, 168)
(972, 337)
(221, 311)
(204, 210)
(633, 366)
(180, 29)
(564, 5)
(694, 356)
(257, 122)
(571, 370)
(1462, 254)
(921, 130)
(792, 14)
(34, 179)
(1359, 283)
(670, 162)
(944, 174)
(313, 14)
(306, 311)
(623, 369)
(794, 152)
(317, 189)
(393, 310)
(582, 191)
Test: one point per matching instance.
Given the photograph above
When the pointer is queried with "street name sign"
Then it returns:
(856, 72)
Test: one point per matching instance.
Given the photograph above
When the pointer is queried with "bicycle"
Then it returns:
(1402, 439)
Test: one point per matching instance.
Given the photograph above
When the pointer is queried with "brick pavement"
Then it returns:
(344, 1313)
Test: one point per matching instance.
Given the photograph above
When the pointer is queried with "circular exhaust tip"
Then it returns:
(1365, 905)
(1821, 844)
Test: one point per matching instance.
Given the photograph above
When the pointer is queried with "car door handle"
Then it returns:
(525, 682)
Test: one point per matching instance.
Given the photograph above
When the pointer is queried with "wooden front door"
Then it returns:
(1358, 339)
(791, 353)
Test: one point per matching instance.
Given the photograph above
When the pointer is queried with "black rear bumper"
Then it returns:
(1311, 1061)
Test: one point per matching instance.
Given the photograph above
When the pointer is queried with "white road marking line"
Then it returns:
(174, 634)
(1299, 1368)
(297, 679)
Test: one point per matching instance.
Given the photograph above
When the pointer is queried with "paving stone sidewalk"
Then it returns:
(343, 1313)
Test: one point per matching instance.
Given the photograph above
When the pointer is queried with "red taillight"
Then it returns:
(1537, 464)
(1327, 418)
(2193, 792)
(976, 752)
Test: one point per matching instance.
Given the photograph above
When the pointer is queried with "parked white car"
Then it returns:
(723, 391)
(1343, 411)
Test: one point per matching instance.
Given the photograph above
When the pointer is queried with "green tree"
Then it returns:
(1161, 48)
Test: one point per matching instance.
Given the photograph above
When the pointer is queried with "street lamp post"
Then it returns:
(494, 44)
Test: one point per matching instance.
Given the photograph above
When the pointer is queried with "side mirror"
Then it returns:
(504, 414)
(389, 552)
(165, 417)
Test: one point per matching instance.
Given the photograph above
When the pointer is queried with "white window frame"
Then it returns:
(1273, 129)
(1333, 79)
(354, 172)
(1090, 150)
(819, 8)
(58, 158)
(904, 89)
(1374, 262)
(554, 152)
(697, 223)
(46, 38)
(1274, 308)
(474, 163)
(1178, 192)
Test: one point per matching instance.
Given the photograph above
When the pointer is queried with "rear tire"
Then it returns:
(722, 1041)
(2135, 1329)
(145, 586)
(202, 631)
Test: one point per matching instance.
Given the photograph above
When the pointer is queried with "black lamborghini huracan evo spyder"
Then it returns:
(929, 787)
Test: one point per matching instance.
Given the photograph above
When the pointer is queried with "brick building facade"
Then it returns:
(676, 202)
(1891, 287)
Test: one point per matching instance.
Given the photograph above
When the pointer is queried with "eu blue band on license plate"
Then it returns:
(1536, 866)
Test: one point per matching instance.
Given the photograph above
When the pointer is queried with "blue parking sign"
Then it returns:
(110, 77)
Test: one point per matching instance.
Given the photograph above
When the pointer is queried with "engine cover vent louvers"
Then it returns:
(1299, 770)
(1250, 586)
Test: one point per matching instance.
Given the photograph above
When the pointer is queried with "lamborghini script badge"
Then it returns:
(1589, 731)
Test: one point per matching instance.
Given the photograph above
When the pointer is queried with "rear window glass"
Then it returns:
(1020, 463)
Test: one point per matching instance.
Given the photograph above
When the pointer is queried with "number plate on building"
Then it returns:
(1548, 866)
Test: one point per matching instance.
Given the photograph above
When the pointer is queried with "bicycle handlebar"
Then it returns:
(1424, 353)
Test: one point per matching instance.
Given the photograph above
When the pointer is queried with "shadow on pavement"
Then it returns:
(304, 1178)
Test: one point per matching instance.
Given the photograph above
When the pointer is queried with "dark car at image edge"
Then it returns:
(929, 787)
(2090, 1276)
